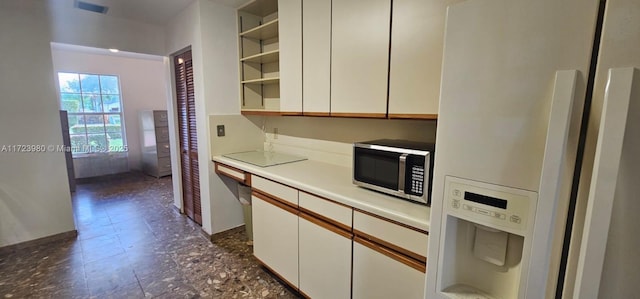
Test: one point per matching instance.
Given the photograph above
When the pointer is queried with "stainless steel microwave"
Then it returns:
(397, 167)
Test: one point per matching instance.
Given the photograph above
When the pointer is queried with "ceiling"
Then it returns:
(156, 12)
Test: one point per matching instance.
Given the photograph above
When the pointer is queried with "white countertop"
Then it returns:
(335, 183)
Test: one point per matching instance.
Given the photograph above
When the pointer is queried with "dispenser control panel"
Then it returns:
(488, 204)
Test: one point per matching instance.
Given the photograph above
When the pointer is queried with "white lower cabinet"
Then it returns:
(377, 275)
(325, 260)
(275, 236)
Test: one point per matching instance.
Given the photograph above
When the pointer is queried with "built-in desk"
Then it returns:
(335, 183)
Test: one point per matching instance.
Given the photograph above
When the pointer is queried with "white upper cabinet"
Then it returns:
(316, 58)
(360, 57)
(416, 57)
(290, 27)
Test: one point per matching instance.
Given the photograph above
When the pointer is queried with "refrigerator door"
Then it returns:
(618, 48)
(498, 81)
(613, 184)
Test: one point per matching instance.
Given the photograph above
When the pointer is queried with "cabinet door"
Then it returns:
(360, 57)
(377, 275)
(275, 237)
(290, 39)
(325, 260)
(417, 41)
(316, 57)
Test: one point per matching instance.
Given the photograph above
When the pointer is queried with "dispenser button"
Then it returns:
(483, 212)
(466, 207)
(455, 204)
(456, 192)
(498, 215)
(515, 219)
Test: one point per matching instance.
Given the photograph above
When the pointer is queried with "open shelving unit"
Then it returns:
(259, 56)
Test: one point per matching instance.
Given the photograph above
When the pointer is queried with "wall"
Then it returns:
(210, 30)
(79, 27)
(143, 87)
(34, 193)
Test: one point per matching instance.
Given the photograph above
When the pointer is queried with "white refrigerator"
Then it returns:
(523, 88)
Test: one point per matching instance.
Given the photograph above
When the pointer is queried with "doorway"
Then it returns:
(187, 135)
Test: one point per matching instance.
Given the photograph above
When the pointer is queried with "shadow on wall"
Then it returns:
(349, 130)
(13, 204)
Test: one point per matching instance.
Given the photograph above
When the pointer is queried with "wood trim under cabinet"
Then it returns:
(418, 265)
(392, 221)
(280, 203)
(413, 116)
(390, 246)
(294, 287)
(326, 225)
(270, 113)
(359, 115)
(291, 113)
(245, 180)
(316, 114)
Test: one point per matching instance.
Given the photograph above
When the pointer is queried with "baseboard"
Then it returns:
(32, 243)
(223, 234)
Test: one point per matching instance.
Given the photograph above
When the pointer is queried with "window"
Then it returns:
(94, 108)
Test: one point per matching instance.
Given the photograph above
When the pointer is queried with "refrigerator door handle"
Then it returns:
(554, 162)
(619, 114)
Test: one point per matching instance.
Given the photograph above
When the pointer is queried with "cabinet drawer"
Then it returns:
(160, 118)
(411, 242)
(162, 134)
(164, 164)
(164, 150)
(234, 173)
(273, 189)
(326, 210)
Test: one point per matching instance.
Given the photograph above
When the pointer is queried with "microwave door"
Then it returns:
(377, 168)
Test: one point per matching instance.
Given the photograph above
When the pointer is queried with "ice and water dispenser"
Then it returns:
(486, 241)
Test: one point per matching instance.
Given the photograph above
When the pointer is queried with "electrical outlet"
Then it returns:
(220, 129)
(275, 133)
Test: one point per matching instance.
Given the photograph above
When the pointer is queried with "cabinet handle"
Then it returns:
(420, 266)
(326, 225)
(275, 202)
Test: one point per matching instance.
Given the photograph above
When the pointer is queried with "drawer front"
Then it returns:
(326, 209)
(378, 274)
(397, 237)
(164, 164)
(233, 173)
(160, 118)
(162, 134)
(164, 150)
(274, 189)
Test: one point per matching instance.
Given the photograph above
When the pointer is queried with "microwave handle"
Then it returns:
(401, 171)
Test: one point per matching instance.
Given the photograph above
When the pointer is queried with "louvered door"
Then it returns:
(188, 136)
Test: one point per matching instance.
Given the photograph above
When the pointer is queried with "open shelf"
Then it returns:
(265, 31)
(266, 57)
(262, 81)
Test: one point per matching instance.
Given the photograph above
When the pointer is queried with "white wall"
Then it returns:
(210, 29)
(79, 27)
(34, 193)
(142, 80)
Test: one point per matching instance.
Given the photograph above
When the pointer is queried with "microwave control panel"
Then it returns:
(417, 180)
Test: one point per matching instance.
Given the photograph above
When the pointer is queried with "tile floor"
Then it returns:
(133, 243)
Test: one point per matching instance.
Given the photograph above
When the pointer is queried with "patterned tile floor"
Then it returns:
(133, 243)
